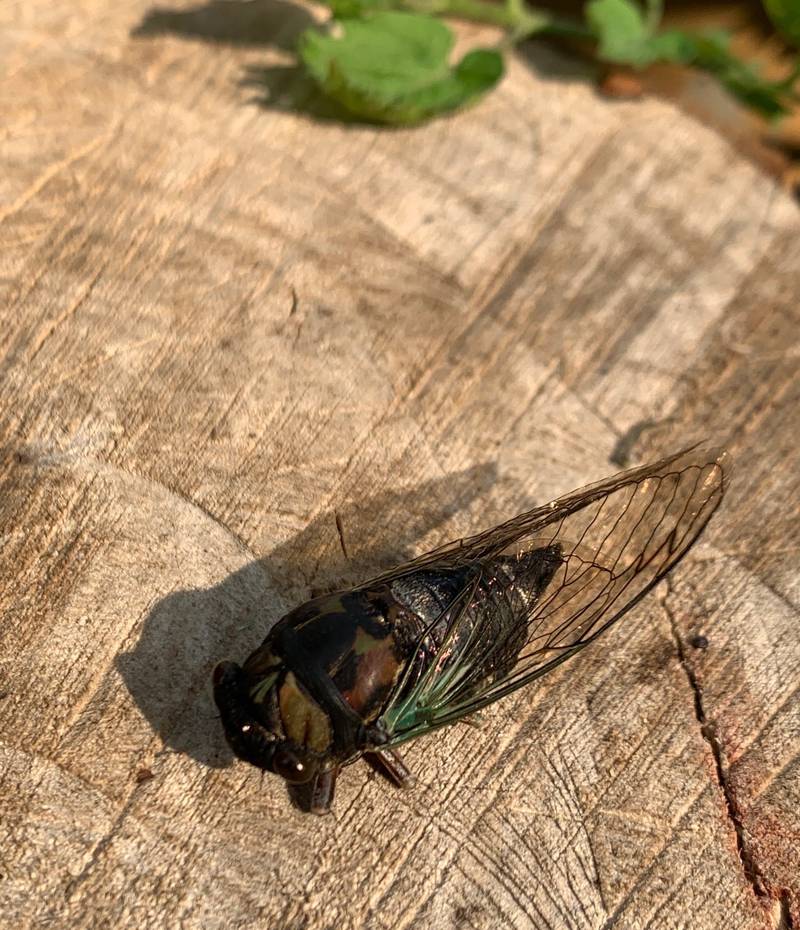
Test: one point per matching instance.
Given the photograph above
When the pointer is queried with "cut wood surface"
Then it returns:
(224, 326)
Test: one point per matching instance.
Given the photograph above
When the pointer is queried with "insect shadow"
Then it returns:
(168, 672)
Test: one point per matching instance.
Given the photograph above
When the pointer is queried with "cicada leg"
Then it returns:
(390, 764)
(322, 791)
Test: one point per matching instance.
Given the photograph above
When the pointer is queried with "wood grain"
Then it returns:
(227, 327)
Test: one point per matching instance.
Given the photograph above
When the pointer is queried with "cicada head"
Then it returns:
(270, 720)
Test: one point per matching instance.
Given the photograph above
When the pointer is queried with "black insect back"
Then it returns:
(360, 671)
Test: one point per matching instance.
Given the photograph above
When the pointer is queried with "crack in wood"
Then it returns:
(340, 531)
(785, 921)
(99, 847)
(51, 326)
(708, 729)
(110, 834)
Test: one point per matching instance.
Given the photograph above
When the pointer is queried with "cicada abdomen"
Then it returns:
(496, 593)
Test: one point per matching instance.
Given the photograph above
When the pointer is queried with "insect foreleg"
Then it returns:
(322, 791)
(390, 764)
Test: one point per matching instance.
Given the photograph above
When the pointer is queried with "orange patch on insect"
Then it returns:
(377, 670)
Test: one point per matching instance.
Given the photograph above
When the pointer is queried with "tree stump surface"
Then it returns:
(227, 327)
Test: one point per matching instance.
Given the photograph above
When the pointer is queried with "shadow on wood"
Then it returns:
(233, 22)
(288, 87)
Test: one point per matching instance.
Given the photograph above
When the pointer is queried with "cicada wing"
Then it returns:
(500, 538)
(608, 544)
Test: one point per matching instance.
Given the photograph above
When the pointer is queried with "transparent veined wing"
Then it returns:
(604, 546)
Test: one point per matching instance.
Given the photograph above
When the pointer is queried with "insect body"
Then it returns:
(359, 671)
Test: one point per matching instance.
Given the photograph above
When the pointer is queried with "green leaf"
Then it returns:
(621, 31)
(625, 37)
(785, 15)
(392, 67)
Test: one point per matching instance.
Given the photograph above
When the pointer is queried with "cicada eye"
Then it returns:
(289, 765)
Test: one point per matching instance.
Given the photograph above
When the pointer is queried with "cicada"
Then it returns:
(359, 671)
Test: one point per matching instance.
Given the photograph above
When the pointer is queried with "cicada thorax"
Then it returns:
(322, 676)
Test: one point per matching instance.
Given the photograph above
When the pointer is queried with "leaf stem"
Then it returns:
(516, 16)
(655, 12)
